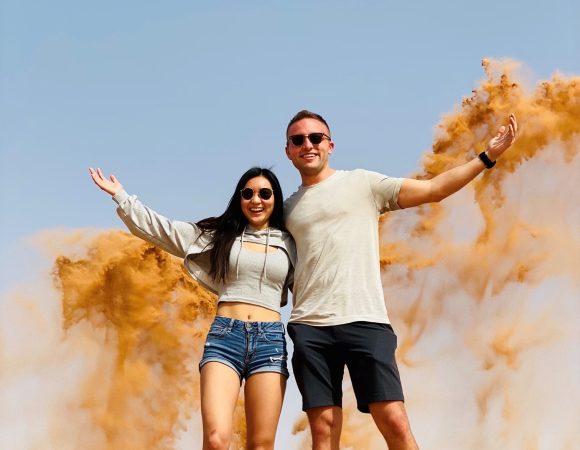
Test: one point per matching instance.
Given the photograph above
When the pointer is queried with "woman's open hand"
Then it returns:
(110, 185)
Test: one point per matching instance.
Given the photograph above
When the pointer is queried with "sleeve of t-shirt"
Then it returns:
(173, 236)
(385, 190)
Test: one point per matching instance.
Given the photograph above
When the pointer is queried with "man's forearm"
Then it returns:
(418, 192)
(449, 182)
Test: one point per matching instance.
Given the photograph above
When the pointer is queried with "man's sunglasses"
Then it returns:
(264, 193)
(314, 138)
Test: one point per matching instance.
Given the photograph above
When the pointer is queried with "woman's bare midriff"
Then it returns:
(246, 312)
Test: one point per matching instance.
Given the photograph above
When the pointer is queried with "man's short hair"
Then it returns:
(305, 114)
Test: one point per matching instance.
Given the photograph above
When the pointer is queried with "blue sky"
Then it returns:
(179, 98)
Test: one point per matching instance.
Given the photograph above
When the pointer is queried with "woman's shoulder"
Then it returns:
(282, 235)
(287, 243)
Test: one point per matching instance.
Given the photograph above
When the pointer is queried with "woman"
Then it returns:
(246, 258)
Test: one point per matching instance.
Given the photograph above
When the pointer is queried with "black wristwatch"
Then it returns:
(488, 163)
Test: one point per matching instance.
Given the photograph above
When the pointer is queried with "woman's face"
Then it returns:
(257, 201)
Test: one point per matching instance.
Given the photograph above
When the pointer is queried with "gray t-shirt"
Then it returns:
(334, 223)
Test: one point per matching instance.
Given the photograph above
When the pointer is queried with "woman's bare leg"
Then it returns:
(220, 388)
(264, 394)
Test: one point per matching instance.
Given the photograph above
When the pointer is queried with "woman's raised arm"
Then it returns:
(173, 236)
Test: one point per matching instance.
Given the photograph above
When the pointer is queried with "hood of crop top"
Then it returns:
(197, 259)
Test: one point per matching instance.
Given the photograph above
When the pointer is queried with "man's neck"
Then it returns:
(310, 180)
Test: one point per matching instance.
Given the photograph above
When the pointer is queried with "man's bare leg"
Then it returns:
(393, 423)
(325, 427)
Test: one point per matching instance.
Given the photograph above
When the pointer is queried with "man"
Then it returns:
(339, 316)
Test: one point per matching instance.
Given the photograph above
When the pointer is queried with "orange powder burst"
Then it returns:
(154, 319)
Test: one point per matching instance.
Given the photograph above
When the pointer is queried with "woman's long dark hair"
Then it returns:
(225, 228)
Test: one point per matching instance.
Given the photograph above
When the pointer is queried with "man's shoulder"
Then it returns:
(338, 176)
(362, 174)
(293, 198)
(362, 177)
(367, 173)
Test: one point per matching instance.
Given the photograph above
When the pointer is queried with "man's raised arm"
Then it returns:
(417, 192)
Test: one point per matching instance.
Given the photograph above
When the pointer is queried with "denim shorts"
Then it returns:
(246, 347)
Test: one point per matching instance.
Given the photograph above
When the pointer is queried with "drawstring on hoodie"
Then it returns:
(263, 274)
(239, 253)
(265, 257)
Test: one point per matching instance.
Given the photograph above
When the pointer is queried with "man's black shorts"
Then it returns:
(366, 348)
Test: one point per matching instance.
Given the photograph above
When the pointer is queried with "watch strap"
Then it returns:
(488, 163)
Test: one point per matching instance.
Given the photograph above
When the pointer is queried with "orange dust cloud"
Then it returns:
(483, 287)
(153, 318)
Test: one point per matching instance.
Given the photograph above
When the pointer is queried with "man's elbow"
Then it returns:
(412, 201)
(437, 196)
(434, 194)
(426, 192)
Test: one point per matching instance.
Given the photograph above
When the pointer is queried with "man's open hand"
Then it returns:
(503, 139)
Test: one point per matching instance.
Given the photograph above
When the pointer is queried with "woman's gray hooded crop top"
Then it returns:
(257, 278)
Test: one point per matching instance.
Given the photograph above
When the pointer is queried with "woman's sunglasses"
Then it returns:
(314, 138)
(264, 193)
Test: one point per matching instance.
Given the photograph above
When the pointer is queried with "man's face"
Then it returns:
(310, 159)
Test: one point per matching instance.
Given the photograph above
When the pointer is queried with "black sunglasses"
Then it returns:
(314, 138)
(264, 193)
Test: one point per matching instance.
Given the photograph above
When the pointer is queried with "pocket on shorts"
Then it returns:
(273, 336)
(217, 331)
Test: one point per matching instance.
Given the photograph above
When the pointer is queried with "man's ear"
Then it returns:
(331, 147)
